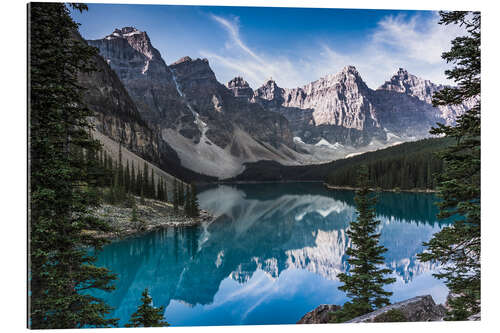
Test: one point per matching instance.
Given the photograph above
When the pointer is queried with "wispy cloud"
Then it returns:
(239, 59)
(233, 29)
(412, 42)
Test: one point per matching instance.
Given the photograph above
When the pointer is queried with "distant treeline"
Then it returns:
(411, 165)
(407, 166)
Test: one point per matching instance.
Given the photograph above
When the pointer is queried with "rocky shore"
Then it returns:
(352, 188)
(150, 214)
(420, 308)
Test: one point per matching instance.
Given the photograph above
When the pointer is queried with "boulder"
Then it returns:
(420, 308)
(320, 315)
(475, 317)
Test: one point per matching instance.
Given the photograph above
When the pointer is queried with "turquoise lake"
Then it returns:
(272, 255)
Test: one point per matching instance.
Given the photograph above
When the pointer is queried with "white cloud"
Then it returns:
(233, 29)
(415, 43)
(239, 59)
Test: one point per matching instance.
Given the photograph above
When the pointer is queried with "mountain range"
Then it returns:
(182, 119)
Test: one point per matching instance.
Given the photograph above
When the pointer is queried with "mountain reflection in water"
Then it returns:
(272, 254)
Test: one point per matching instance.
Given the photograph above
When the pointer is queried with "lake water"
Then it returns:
(271, 256)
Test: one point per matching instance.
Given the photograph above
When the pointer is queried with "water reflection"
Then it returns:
(272, 254)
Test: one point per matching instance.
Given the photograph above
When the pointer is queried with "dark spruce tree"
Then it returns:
(176, 196)
(165, 191)
(145, 181)
(127, 178)
(187, 203)
(458, 247)
(366, 280)
(61, 270)
(182, 194)
(152, 189)
(147, 315)
(194, 207)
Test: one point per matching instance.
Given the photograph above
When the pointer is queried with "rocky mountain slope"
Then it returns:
(404, 83)
(209, 128)
(215, 129)
(341, 109)
(118, 120)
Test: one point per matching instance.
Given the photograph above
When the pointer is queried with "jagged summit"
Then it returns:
(240, 88)
(126, 32)
(407, 83)
(238, 81)
(181, 60)
(350, 69)
(270, 91)
(206, 122)
(402, 72)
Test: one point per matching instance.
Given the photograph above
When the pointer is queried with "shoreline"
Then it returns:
(351, 188)
(150, 215)
(264, 182)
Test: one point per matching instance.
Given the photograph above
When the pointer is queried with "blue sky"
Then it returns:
(294, 46)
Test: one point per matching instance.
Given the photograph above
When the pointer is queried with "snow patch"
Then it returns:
(325, 143)
(297, 139)
(202, 126)
(355, 154)
(132, 33)
(392, 136)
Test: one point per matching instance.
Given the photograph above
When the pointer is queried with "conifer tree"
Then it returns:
(147, 315)
(181, 194)
(458, 247)
(193, 202)
(159, 194)
(133, 180)
(145, 181)
(165, 191)
(120, 166)
(365, 282)
(127, 178)
(61, 270)
(152, 190)
(176, 195)
(187, 203)
(138, 182)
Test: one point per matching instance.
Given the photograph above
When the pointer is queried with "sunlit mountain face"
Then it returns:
(272, 254)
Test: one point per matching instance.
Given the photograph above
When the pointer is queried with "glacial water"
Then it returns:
(272, 255)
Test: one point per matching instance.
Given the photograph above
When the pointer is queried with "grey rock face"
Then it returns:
(191, 111)
(320, 315)
(339, 99)
(116, 114)
(144, 74)
(203, 120)
(475, 317)
(420, 308)
(341, 108)
(336, 108)
(118, 118)
(270, 92)
(404, 83)
(222, 111)
(240, 88)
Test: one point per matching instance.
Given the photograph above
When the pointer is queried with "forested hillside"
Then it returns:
(410, 165)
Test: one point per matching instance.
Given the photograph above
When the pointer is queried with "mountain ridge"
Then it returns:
(215, 129)
(195, 114)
